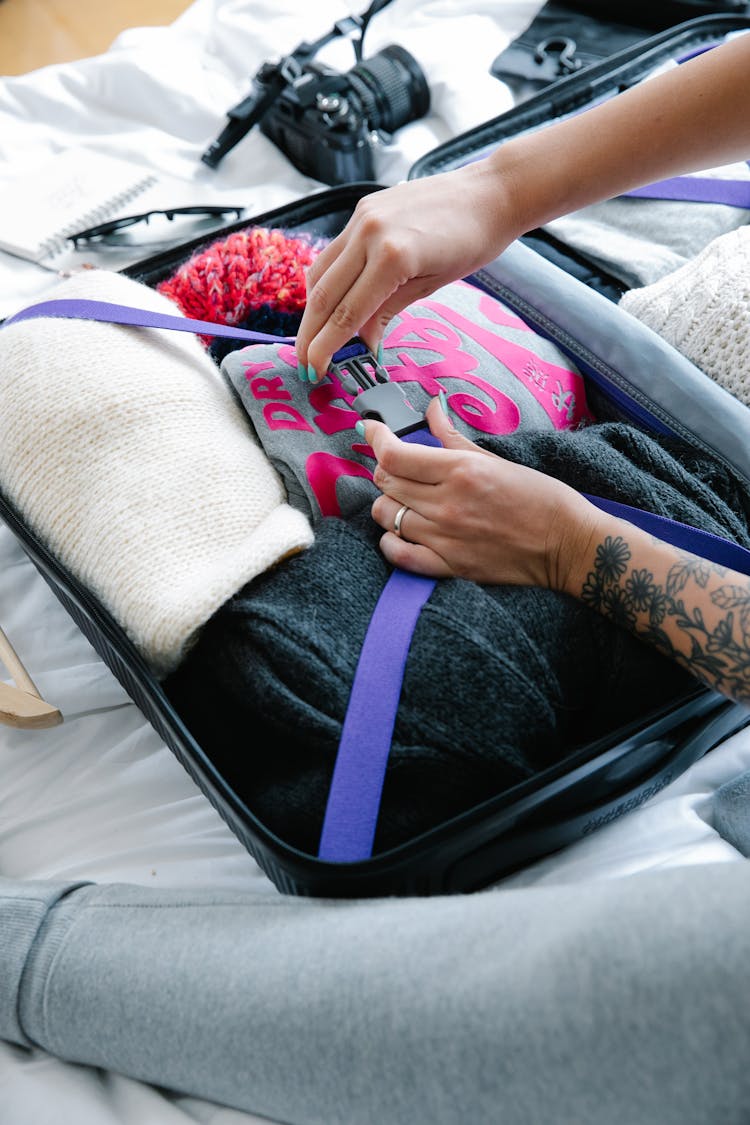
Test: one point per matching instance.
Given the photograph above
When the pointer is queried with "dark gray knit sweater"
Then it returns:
(501, 682)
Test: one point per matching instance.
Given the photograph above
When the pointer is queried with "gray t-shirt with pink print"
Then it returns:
(499, 377)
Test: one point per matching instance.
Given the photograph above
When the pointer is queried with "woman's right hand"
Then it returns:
(400, 244)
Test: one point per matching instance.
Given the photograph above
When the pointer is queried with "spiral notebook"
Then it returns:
(73, 190)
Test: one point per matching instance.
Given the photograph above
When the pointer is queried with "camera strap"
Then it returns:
(359, 773)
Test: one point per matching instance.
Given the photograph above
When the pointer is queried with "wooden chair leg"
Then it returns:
(22, 705)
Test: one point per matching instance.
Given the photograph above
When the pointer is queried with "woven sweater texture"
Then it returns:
(703, 310)
(129, 457)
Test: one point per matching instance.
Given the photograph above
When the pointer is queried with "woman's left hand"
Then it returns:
(471, 514)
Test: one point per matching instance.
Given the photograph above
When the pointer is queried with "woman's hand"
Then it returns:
(399, 245)
(471, 514)
(406, 241)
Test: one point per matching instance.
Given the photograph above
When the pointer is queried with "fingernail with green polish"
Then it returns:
(311, 374)
(360, 428)
(380, 355)
(443, 401)
(301, 371)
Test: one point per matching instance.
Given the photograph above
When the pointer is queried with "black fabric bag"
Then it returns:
(564, 37)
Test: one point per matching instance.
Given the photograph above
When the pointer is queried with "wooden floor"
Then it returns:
(35, 33)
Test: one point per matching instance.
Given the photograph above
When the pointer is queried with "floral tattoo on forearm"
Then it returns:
(632, 598)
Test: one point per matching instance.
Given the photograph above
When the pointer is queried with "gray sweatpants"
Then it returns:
(626, 1001)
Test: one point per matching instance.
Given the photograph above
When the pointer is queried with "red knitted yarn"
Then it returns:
(247, 269)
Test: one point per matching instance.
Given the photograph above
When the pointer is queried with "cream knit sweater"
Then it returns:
(703, 310)
(130, 458)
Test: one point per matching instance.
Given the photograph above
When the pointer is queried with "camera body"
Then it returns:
(328, 122)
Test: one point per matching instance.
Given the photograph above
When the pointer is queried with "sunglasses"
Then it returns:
(101, 230)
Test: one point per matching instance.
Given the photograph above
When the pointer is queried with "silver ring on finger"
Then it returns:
(399, 518)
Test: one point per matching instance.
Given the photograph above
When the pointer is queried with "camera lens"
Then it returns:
(391, 88)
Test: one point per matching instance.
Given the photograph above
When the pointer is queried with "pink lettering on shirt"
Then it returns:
(323, 471)
(560, 391)
(441, 345)
(498, 416)
(268, 388)
(279, 416)
(329, 418)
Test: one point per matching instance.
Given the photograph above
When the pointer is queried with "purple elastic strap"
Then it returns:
(357, 783)
(82, 309)
(356, 790)
(705, 544)
(697, 189)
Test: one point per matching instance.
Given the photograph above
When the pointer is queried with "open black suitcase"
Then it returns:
(572, 302)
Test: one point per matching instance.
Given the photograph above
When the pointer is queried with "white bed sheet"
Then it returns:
(101, 797)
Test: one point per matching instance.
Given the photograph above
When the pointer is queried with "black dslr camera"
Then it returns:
(326, 121)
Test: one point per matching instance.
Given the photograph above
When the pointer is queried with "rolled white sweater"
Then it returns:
(128, 455)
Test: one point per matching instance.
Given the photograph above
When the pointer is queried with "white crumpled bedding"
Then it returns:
(100, 797)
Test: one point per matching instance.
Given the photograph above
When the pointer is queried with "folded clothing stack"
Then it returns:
(641, 240)
(129, 456)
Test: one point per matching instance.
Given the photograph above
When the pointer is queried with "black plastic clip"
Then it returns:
(564, 48)
(375, 396)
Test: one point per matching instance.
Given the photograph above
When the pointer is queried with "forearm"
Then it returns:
(689, 118)
(395, 1010)
(692, 610)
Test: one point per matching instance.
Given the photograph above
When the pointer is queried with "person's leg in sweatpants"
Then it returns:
(625, 1001)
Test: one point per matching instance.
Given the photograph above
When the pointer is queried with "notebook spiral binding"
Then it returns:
(55, 244)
